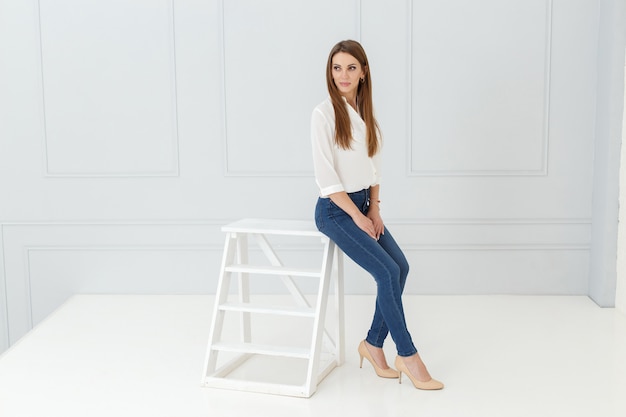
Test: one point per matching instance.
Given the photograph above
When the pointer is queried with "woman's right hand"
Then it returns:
(365, 224)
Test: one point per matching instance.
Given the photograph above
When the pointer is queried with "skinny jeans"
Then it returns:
(382, 258)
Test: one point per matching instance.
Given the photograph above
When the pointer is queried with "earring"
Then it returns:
(362, 80)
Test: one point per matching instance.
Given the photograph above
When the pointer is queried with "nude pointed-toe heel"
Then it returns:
(433, 384)
(383, 373)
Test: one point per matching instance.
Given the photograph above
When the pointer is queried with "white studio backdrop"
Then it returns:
(130, 131)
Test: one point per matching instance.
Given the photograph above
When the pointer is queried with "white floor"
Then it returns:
(498, 356)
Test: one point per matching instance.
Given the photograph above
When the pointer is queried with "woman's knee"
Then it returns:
(389, 275)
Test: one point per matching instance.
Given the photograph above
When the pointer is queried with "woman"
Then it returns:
(346, 155)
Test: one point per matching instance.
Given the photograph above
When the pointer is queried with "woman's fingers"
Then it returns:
(367, 226)
(379, 226)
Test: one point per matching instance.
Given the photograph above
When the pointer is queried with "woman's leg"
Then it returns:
(379, 329)
(371, 256)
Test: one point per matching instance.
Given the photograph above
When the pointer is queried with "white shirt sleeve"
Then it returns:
(322, 138)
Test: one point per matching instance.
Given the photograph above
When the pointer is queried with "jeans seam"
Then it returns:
(380, 330)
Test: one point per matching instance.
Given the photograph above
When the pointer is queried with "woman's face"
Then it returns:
(347, 73)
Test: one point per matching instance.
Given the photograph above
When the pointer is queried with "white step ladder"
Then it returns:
(235, 261)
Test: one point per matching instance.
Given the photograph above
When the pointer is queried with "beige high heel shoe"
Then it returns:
(433, 384)
(383, 373)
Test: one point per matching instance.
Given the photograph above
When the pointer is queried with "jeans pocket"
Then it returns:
(333, 210)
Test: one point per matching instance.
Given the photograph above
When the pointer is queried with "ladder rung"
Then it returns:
(265, 309)
(270, 350)
(274, 270)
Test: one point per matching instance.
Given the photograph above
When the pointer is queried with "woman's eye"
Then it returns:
(352, 68)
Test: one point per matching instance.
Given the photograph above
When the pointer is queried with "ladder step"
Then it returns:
(257, 386)
(270, 350)
(274, 270)
(264, 309)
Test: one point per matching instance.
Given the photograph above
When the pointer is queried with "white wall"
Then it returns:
(620, 296)
(131, 131)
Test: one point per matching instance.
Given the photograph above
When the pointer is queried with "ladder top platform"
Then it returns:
(274, 227)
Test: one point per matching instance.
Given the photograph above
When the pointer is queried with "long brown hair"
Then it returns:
(343, 131)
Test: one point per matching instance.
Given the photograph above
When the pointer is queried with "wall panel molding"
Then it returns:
(288, 144)
(537, 167)
(121, 159)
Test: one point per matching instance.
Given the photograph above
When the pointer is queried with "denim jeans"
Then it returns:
(383, 259)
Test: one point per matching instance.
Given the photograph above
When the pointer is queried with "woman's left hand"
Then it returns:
(374, 215)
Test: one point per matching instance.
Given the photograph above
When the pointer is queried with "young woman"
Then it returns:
(346, 155)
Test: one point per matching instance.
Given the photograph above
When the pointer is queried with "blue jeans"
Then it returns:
(383, 259)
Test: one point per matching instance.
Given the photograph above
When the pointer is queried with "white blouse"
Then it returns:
(338, 169)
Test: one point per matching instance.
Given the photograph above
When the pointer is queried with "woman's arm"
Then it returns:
(345, 203)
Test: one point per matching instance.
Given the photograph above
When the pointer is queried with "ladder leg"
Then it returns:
(320, 319)
(244, 286)
(221, 295)
(339, 300)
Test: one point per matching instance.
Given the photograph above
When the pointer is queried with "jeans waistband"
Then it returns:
(365, 192)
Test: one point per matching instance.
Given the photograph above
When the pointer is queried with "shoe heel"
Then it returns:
(361, 364)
